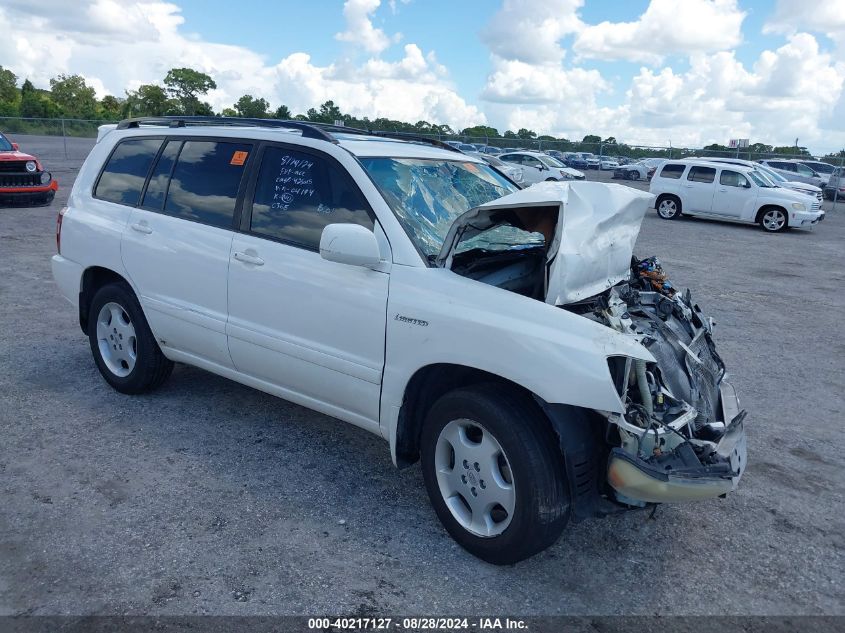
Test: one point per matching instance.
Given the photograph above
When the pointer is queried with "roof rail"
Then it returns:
(402, 136)
(308, 130)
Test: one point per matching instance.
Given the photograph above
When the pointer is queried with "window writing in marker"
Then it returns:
(294, 181)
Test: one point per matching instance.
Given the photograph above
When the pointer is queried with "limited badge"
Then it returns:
(239, 158)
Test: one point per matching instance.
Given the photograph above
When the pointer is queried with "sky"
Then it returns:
(651, 72)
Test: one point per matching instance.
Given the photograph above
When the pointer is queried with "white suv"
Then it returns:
(501, 336)
(730, 192)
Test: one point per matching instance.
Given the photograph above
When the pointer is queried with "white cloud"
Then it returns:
(359, 26)
(118, 45)
(666, 27)
(826, 17)
(530, 31)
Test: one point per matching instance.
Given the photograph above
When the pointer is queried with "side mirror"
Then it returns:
(15, 146)
(349, 244)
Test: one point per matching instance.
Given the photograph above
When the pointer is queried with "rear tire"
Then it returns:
(124, 348)
(494, 473)
(668, 207)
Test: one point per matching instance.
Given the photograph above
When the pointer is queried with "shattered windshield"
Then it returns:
(428, 194)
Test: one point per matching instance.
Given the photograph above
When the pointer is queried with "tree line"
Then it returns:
(182, 90)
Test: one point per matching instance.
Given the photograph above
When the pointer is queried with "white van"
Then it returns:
(730, 192)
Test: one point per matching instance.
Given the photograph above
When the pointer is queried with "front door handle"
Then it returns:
(141, 227)
(255, 260)
(723, 189)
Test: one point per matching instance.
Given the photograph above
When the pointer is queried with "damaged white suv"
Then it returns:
(505, 338)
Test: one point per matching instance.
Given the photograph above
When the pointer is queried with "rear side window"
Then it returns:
(126, 170)
(672, 171)
(205, 182)
(159, 179)
(732, 179)
(702, 174)
(298, 194)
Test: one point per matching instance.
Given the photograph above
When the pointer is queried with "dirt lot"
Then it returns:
(209, 497)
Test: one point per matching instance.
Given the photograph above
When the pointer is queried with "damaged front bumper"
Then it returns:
(680, 475)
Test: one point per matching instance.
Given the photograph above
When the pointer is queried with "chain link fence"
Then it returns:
(78, 136)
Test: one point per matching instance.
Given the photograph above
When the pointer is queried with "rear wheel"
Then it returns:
(668, 207)
(774, 220)
(124, 349)
(494, 473)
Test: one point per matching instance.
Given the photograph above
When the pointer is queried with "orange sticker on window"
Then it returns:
(238, 158)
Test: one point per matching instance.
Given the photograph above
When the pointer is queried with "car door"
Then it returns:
(311, 328)
(733, 195)
(698, 189)
(532, 165)
(176, 244)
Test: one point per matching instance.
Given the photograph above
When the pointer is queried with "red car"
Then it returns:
(22, 177)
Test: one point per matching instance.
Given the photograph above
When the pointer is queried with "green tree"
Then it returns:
(250, 107)
(73, 96)
(187, 85)
(526, 134)
(480, 131)
(592, 138)
(110, 107)
(9, 94)
(328, 113)
(148, 100)
(283, 112)
(36, 103)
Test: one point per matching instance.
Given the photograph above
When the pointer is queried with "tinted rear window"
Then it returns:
(205, 182)
(126, 170)
(672, 171)
(702, 174)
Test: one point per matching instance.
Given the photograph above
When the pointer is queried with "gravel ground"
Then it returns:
(209, 497)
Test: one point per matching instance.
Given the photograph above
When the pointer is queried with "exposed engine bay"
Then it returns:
(678, 434)
(681, 419)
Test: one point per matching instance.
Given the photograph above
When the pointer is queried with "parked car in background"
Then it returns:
(467, 147)
(593, 161)
(576, 161)
(490, 149)
(823, 169)
(730, 192)
(794, 171)
(538, 167)
(455, 144)
(512, 171)
(414, 292)
(775, 177)
(640, 170)
(23, 178)
(835, 189)
(608, 163)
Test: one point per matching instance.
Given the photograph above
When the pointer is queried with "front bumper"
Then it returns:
(684, 477)
(44, 193)
(805, 218)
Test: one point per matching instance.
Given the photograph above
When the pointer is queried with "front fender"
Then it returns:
(436, 316)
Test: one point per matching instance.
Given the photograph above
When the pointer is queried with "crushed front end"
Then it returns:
(681, 435)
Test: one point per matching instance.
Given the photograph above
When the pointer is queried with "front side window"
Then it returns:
(205, 182)
(426, 195)
(732, 179)
(702, 174)
(297, 194)
(5, 145)
(531, 161)
(126, 170)
(804, 170)
(512, 158)
(672, 171)
(160, 178)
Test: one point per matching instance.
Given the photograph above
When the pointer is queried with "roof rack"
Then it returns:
(308, 129)
(321, 131)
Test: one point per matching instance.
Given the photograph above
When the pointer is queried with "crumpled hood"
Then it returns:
(597, 227)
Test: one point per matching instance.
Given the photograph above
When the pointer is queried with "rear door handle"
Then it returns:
(141, 227)
(723, 189)
(255, 260)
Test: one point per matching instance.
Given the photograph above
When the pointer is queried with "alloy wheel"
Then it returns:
(774, 220)
(116, 339)
(475, 478)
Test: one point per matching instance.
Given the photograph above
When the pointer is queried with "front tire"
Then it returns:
(124, 349)
(669, 207)
(774, 220)
(494, 473)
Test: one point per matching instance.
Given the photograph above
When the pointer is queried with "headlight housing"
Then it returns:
(31, 166)
(46, 177)
(799, 206)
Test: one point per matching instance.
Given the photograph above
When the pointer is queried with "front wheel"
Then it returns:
(668, 208)
(774, 220)
(124, 349)
(494, 473)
